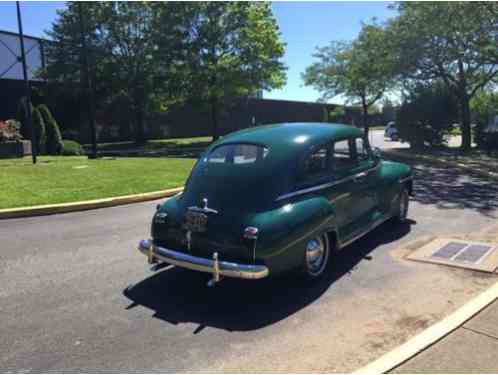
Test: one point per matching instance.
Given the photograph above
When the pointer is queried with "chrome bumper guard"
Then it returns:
(213, 266)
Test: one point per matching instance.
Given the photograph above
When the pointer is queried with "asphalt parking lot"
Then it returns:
(75, 295)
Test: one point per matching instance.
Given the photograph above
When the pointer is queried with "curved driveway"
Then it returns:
(75, 295)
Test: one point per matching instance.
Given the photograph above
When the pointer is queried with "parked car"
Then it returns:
(391, 132)
(277, 198)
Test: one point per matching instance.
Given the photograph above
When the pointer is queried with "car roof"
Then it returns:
(292, 136)
(287, 142)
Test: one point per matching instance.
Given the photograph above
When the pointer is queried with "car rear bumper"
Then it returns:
(213, 266)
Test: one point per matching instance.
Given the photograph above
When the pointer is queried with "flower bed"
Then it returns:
(11, 143)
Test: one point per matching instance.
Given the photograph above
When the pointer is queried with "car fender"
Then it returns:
(284, 230)
(393, 177)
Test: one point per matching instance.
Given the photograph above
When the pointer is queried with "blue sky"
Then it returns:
(304, 25)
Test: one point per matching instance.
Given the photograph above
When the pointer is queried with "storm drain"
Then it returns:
(459, 253)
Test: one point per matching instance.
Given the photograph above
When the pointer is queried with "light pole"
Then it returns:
(88, 84)
(27, 88)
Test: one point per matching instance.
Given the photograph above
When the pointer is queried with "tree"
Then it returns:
(54, 139)
(388, 110)
(136, 67)
(454, 42)
(37, 123)
(359, 70)
(230, 49)
(122, 44)
(325, 114)
(63, 53)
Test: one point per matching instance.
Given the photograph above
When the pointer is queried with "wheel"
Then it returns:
(402, 207)
(316, 256)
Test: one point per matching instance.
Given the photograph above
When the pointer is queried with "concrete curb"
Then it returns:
(431, 335)
(404, 155)
(50, 209)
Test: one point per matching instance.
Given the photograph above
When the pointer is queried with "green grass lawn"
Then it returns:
(59, 179)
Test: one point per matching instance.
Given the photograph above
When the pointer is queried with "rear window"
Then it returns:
(238, 154)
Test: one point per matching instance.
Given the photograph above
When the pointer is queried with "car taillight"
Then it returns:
(160, 218)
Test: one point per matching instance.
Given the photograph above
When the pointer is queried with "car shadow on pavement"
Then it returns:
(181, 296)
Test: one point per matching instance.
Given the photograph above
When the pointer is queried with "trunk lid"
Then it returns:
(229, 196)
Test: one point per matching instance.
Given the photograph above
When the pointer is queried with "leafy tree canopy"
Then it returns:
(359, 70)
(230, 49)
(455, 42)
(158, 53)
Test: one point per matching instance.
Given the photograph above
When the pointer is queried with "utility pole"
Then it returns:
(34, 148)
(88, 87)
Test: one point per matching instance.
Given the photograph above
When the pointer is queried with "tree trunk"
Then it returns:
(364, 115)
(139, 126)
(464, 108)
(139, 116)
(466, 130)
(214, 117)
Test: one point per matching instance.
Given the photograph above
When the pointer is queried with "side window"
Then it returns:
(342, 156)
(361, 149)
(316, 164)
(237, 154)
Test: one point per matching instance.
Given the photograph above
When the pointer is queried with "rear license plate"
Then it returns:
(195, 221)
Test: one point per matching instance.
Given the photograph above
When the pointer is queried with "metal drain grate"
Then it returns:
(462, 252)
(449, 250)
(455, 252)
(473, 253)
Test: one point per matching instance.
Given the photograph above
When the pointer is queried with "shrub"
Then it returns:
(10, 131)
(54, 138)
(38, 125)
(337, 115)
(40, 131)
(484, 107)
(426, 116)
(325, 115)
(71, 148)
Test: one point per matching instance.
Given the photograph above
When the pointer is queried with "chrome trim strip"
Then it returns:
(229, 269)
(370, 228)
(339, 197)
(310, 189)
(326, 185)
(202, 210)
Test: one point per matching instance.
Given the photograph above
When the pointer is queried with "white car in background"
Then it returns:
(391, 132)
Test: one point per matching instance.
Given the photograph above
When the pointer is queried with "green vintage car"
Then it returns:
(276, 198)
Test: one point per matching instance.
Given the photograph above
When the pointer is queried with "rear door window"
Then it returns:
(342, 155)
(238, 154)
(362, 149)
(316, 164)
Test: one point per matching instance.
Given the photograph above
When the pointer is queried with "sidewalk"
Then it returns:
(472, 348)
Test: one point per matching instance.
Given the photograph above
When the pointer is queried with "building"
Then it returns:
(11, 74)
(10, 52)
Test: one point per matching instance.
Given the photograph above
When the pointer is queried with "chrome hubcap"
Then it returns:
(316, 255)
